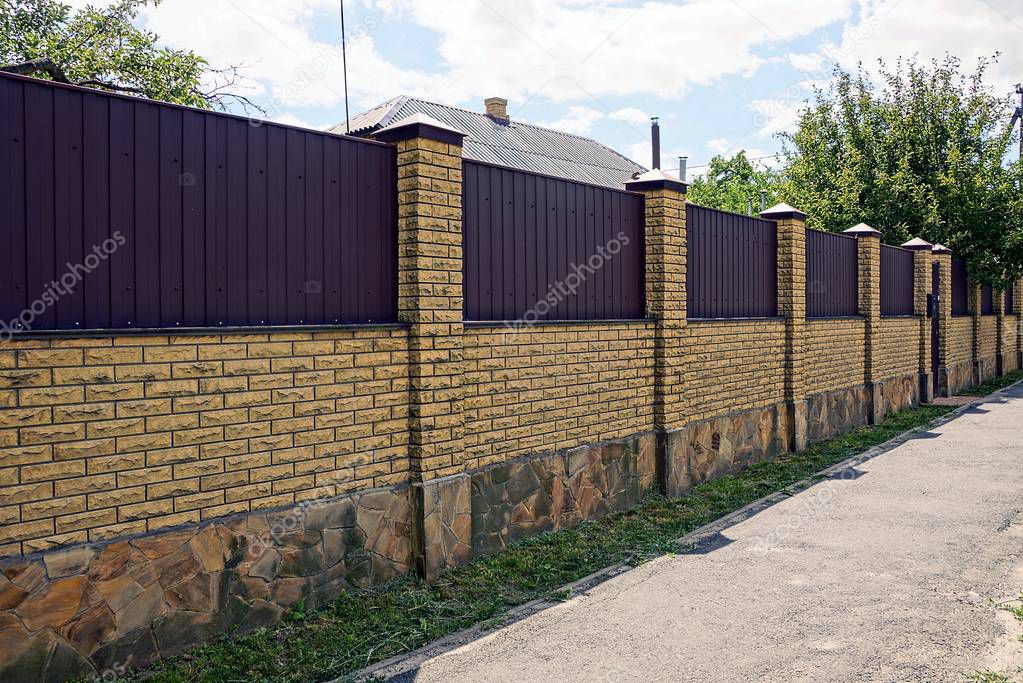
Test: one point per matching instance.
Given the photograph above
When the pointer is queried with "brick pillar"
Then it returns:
(868, 251)
(973, 301)
(665, 236)
(943, 257)
(922, 261)
(430, 301)
(792, 307)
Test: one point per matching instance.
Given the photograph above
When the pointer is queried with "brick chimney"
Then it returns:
(497, 109)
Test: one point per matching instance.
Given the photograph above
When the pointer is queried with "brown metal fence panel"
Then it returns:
(987, 300)
(543, 248)
(896, 281)
(960, 288)
(211, 220)
(732, 268)
(832, 275)
(1009, 300)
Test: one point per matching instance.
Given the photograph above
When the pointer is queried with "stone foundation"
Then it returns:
(835, 412)
(899, 393)
(96, 608)
(954, 378)
(987, 368)
(1010, 362)
(724, 445)
(443, 541)
(530, 495)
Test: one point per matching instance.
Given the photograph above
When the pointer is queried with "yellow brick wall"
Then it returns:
(834, 354)
(988, 336)
(1010, 333)
(555, 386)
(103, 437)
(734, 365)
(899, 347)
(960, 339)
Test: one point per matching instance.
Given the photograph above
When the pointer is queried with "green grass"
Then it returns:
(367, 626)
(995, 384)
(987, 677)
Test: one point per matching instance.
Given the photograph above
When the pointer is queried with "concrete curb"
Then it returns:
(403, 667)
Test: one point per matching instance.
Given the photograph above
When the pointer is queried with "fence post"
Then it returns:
(430, 300)
(943, 257)
(792, 307)
(922, 285)
(973, 297)
(868, 254)
(665, 257)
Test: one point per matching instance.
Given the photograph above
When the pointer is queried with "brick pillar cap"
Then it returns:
(918, 244)
(420, 125)
(861, 230)
(656, 179)
(782, 211)
(941, 249)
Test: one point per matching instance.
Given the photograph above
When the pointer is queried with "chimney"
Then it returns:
(497, 109)
(682, 163)
(655, 141)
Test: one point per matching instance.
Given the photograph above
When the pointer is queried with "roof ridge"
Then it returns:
(521, 122)
(559, 158)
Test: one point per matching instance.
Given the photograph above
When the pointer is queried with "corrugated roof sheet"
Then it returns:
(516, 144)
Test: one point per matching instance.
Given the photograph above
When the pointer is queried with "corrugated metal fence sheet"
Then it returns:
(223, 222)
(832, 275)
(542, 248)
(732, 269)
(987, 300)
(896, 281)
(960, 288)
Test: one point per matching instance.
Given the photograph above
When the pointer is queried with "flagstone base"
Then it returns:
(101, 609)
(551, 491)
(725, 445)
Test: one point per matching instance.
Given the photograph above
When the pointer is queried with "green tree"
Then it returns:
(102, 48)
(922, 152)
(730, 184)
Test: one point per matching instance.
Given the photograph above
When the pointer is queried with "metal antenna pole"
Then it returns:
(1019, 114)
(344, 65)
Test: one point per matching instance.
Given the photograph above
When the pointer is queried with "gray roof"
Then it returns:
(515, 144)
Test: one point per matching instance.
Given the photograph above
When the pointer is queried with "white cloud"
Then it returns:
(718, 145)
(287, 66)
(778, 115)
(572, 51)
(632, 116)
(578, 120)
(564, 50)
(292, 120)
(969, 29)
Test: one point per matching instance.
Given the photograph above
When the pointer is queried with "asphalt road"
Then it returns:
(886, 575)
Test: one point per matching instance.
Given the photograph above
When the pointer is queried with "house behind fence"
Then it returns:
(244, 366)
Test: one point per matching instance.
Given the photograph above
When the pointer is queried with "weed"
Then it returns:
(366, 626)
(993, 385)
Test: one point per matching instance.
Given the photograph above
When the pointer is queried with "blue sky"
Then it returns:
(722, 75)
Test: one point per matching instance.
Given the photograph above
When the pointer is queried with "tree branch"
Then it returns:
(32, 66)
(111, 86)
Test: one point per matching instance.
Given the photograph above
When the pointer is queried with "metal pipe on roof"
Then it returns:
(655, 141)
